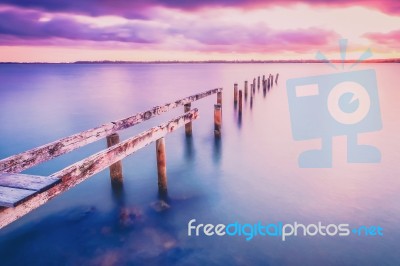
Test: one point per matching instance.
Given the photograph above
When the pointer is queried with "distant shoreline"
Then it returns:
(395, 60)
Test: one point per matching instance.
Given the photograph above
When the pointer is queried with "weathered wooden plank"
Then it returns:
(10, 197)
(20, 162)
(29, 182)
(80, 171)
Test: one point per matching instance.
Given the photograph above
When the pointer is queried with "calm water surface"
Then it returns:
(250, 175)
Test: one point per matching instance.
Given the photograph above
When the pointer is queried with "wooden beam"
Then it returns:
(9, 197)
(29, 182)
(78, 172)
(20, 162)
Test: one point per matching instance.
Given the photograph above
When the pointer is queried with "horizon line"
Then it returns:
(387, 60)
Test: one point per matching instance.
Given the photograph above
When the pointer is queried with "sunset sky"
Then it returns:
(148, 30)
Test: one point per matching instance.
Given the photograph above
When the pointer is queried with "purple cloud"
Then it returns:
(217, 37)
(133, 8)
(391, 39)
(17, 26)
(22, 27)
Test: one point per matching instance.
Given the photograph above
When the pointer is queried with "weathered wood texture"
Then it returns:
(188, 126)
(9, 197)
(20, 162)
(14, 188)
(219, 97)
(30, 182)
(217, 120)
(235, 93)
(161, 165)
(115, 168)
(80, 171)
(240, 101)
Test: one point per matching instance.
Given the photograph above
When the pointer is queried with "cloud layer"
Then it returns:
(19, 26)
(132, 8)
(209, 27)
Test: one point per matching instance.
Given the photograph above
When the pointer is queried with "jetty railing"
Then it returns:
(22, 193)
(28, 159)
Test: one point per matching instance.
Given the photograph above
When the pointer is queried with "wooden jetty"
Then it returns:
(22, 193)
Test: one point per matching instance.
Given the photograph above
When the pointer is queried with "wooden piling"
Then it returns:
(272, 80)
(258, 82)
(115, 168)
(235, 92)
(254, 85)
(269, 80)
(276, 78)
(217, 120)
(188, 126)
(219, 97)
(161, 165)
(264, 88)
(240, 101)
(245, 89)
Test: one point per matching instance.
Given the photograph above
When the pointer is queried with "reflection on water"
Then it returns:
(189, 148)
(217, 150)
(250, 174)
(239, 119)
